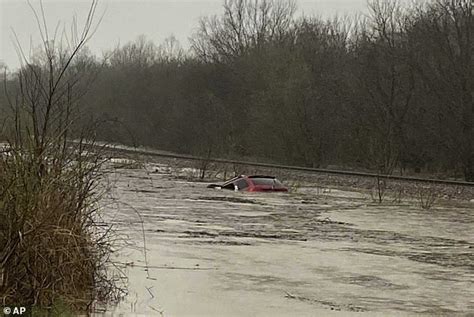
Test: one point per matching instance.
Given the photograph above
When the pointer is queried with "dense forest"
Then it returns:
(391, 91)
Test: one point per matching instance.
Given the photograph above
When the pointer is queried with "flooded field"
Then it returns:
(311, 252)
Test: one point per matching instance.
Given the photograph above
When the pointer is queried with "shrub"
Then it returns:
(54, 252)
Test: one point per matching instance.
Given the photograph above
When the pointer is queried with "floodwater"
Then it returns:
(310, 252)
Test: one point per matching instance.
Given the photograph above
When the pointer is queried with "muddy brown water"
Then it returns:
(310, 252)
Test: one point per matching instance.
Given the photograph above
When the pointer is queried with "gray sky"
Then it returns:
(126, 20)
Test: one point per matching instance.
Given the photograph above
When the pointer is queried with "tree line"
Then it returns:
(391, 91)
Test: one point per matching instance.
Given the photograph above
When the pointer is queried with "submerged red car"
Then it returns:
(255, 183)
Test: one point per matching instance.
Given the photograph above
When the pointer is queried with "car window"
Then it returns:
(228, 186)
(267, 182)
(241, 183)
(230, 183)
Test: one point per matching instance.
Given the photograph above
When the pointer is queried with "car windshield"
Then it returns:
(230, 182)
(259, 181)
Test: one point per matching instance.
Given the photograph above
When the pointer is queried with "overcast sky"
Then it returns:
(126, 20)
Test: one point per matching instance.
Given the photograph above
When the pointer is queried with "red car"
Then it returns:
(255, 183)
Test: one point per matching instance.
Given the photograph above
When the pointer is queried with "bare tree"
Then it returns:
(139, 53)
(388, 83)
(441, 39)
(245, 24)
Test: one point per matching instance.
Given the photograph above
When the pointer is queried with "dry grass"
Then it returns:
(54, 247)
(54, 250)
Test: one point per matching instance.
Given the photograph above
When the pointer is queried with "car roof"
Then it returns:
(261, 176)
(245, 177)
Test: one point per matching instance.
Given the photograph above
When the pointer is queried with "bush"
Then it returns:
(53, 245)
(54, 252)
